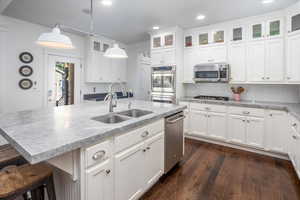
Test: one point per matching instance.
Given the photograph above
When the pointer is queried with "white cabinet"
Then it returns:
(293, 24)
(216, 125)
(237, 129)
(255, 132)
(99, 181)
(211, 54)
(293, 58)
(119, 70)
(198, 123)
(166, 40)
(276, 131)
(237, 61)
(127, 163)
(190, 60)
(257, 30)
(163, 57)
(256, 61)
(294, 151)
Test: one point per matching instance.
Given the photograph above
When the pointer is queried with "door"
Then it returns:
(99, 182)
(198, 123)
(63, 81)
(274, 60)
(154, 160)
(237, 129)
(190, 60)
(276, 136)
(237, 62)
(216, 127)
(129, 173)
(293, 58)
(256, 61)
(255, 132)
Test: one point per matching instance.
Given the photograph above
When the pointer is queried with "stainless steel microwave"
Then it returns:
(211, 72)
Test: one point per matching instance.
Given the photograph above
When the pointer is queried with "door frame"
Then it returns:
(48, 53)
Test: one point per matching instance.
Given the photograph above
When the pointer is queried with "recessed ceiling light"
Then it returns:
(106, 2)
(155, 28)
(267, 1)
(200, 17)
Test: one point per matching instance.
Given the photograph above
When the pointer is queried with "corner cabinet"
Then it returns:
(293, 58)
(100, 69)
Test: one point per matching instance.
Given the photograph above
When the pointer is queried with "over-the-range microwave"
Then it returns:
(211, 72)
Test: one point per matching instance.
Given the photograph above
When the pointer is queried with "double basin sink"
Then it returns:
(114, 118)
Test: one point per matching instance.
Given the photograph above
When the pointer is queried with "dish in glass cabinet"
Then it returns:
(25, 84)
(26, 70)
(26, 57)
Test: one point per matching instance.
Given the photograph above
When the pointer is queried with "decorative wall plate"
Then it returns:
(26, 57)
(26, 70)
(25, 84)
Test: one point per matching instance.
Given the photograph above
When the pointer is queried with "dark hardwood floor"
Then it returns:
(212, 172)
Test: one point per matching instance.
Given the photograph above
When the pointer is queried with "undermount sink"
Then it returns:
(135, 113)
(111, 118)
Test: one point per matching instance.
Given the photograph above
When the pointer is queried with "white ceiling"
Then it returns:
(129, 20)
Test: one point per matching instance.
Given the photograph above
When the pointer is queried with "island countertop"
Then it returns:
(43, 134)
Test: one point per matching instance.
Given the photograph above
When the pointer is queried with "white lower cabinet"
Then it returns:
(216, 125)
(198, 123)
(99, 181)
(237, 129)
(255, 132)
(294, 140)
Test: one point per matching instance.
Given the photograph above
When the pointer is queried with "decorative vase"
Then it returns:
(237, 97)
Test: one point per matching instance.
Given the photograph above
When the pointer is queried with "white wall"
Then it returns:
(21, 36)
(136, 82)
(275, 93)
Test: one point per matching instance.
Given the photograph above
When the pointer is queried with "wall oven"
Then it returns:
(211, 72)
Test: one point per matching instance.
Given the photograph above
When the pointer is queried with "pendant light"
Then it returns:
(115, 52)
(55, 39)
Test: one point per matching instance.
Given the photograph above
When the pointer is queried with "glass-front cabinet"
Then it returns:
(237, 34)
(294, 22)
(203, 39)
(169, 40)
(188, 41)
(218, 36)
(274, 28)
(163, 41)
(257, 31)
(156, 42)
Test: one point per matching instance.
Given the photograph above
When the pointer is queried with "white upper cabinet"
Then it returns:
(237, 34)
(166, 40)
(274, 28)
(190, 60)
(256, 61)
(237, 62)
(119, 70)
(293, 58)
(293, 24)
(211, 54)
(163, 57)
(257, 30)
(218, 36)
(204, 38)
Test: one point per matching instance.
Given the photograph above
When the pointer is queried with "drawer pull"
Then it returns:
(108, 171)
(294, 125)
(145, 134)
(295, 137)
(148, 148)
(246, 113)
(99, 155)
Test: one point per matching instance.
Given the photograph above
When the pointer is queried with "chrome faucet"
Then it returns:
(111, 97)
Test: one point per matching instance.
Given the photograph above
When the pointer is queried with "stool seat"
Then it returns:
(9, 156)
(18, 180)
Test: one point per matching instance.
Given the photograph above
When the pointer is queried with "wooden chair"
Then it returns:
(17, 181)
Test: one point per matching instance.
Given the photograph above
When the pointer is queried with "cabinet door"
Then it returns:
(274, 28)
(274, 60)
(169, 40)
(256, 61)
(99, 181)
(154, 160)
(276, 126)
(119, 70)
(294, 149)
(237, 34)
(255, 132)
(237, 129)
(156, 58)
(203, 55)
(294, 22)
(237, 62)
(190, 60)
(218, 54)
(218, 36)
(156, 42)
(198, 123)
(216, 125)
(127, 163)
(169, 57)
(257, 31)
(104, 69)
(293, 58)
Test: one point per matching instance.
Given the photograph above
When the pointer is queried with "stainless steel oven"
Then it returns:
(163, 97)
(211, 72)
(163, 79)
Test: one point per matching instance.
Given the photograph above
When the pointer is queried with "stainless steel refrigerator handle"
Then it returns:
(176, 120)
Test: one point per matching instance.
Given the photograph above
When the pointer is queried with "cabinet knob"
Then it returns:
(263, 78)
(145, 134)
(294, 125)
(144, 150)
(246, 113)
(148, 148)
(108, 171)
(295, 137)
(268, 78)
(99, 155)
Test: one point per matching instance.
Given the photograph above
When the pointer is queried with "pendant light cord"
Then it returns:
(92, 17)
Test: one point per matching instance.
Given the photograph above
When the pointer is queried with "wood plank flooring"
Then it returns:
(212, 172)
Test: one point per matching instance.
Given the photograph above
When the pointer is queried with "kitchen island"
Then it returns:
(90, 154)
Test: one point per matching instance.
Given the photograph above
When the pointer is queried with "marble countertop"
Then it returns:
(40, 135)
(292, 108)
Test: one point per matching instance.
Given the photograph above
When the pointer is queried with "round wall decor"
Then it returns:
(25, 84)
(26, 57)
(26, 70)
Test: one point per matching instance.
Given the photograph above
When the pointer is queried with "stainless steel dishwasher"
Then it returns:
(173, 140)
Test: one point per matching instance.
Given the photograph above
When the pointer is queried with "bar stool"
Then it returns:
(17, 181)
(9, 156)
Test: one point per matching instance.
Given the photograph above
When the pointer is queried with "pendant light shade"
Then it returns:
(115, 52)
(55, 40)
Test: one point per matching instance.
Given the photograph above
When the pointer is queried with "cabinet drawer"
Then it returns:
(133, 137)
(246, 111)
(99, 153)
(208, 107)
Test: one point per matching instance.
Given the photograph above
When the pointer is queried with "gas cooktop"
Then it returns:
(219, 98)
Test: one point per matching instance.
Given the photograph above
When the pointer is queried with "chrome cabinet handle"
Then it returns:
(174, 121)
(148, 148)
(246, 112)
(98, 155)
(145, 134)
